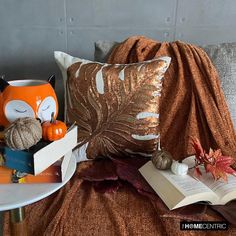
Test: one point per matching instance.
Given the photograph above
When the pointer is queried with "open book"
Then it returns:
(177, 191)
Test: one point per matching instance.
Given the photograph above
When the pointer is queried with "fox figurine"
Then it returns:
(27, 98)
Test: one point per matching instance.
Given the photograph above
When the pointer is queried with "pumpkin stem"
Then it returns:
(52, 118)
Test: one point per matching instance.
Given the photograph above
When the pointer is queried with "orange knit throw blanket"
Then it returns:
(192, 103)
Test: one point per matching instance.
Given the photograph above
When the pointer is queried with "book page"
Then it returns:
(174, 190)
(186, 183)
(220, 187)
(225, 191)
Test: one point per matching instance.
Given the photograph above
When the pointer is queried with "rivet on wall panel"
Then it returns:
(60, 19)
(71, 19)
(166, 34)
(61, 32)
(168, 19)
(71, 32)
(182, 19)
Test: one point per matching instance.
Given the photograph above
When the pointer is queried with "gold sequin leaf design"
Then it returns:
(116, 106)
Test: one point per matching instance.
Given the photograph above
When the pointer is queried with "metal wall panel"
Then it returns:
(24, 13)
(122, 13)
(32, 29)
(81, 40)
(206, 13)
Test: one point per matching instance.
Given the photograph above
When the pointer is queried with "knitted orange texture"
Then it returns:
(192, 102)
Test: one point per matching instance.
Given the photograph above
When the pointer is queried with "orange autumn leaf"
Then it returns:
(197, 172)
(214, 162)
(198, 148)
(221, 167)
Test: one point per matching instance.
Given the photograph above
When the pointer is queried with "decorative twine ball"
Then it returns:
(23, 133)
(161, 159)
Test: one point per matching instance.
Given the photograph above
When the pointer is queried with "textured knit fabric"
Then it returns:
(192, 102)
(223, 56)
(78, 210)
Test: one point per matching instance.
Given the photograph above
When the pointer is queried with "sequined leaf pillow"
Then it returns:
(116, 107)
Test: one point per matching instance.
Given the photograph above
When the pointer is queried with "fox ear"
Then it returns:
(3, 83)
(52, 80)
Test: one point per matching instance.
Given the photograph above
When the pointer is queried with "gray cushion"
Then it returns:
(223, 56)
(103, 49)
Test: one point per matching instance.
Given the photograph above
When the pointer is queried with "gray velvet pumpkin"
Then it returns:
(162, 159)
(23, 133)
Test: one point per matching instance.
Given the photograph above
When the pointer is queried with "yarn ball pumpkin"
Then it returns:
(23, 133)
(161, 159)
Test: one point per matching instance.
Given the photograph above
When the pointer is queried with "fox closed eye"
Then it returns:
(20, 111)
(15, 109)
(44, 109)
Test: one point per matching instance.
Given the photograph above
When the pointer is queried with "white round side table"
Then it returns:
(14, 197)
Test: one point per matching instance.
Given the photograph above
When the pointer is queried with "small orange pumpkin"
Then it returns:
(54, 129)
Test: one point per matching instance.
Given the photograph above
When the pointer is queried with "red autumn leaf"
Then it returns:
(198, 148)
(197, 172)
(214, 162)
(223, 164)
(216, 173)
(211, 158)
(221, 168)
(213, 155)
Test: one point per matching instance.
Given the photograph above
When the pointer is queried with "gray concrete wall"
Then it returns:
(30, 30)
